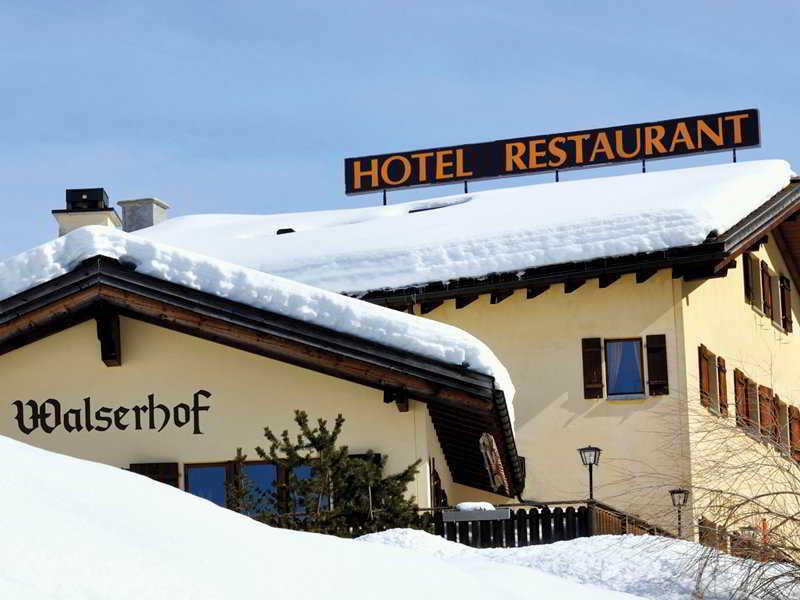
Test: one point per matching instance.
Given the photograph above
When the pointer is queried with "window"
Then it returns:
(624, 367)
(768, 293)
(624, 370)
(207, 481)
(211, 480)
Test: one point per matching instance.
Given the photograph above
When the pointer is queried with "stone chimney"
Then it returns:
(86, 206)
(143, 212)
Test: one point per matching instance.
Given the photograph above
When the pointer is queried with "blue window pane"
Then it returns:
(624, 366)
(262, 478)
(207, 482)
(304, 472)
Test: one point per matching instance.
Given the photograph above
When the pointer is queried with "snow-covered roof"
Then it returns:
(472, 235)
(330, 310)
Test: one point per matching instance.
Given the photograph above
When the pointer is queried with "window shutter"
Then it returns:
(747, 267)
(705, 376)
(751, 396)
(592, 368)
(786, 303)
(722, 388)
(794, 431)
(740, 397)
(778, 430)
(774, 286)
(766, 289)
(658, 380)
(765, 410)
(163, 472)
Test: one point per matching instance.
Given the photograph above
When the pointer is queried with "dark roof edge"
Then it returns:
(761, 221)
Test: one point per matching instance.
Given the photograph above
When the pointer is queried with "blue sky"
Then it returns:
(252, 106)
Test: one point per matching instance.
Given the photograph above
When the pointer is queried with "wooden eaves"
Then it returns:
(462, 403)
(712, 258)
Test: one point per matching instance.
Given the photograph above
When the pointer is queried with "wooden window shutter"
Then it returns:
(163, 472)
(779, 411)
(765, 410)
(786, 303)
(747, 266)
(751, 397)
(774, 285)
(592, 368)
(740, 397)
(722, 388)
(794, 431)
(705, 375)
(766, 289)
(657, 377)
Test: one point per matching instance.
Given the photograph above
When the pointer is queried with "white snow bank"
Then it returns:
(74, 530)
(471, 235)
(652, 567)
(427, 338)
(470, 506)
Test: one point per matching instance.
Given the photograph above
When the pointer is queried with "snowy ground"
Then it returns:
(73, 529)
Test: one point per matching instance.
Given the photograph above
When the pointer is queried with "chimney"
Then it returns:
(141, 213)
(86, 206)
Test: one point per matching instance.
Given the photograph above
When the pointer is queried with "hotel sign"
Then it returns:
(553, 152)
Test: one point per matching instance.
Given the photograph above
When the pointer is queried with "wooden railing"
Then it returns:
(529, 525)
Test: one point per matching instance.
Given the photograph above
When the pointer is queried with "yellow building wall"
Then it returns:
(248, 391)
(717, 316)
(539, 341)
(69, 221)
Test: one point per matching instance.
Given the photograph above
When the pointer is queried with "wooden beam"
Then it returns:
(642, 276)
(426, 307)
(397, 397)
(537, 290)
(500, 295)
(462, 301)
(758, 243)
(573, 284)
(108, 333)
(607, 279)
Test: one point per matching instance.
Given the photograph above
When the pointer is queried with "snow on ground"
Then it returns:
(647, 566)
(433, 340)
(471, 235)
(77, 530)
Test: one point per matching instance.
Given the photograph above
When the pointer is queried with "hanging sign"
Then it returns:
(553, 151)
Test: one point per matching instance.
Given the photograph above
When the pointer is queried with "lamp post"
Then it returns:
(680, 496)
(590, 457)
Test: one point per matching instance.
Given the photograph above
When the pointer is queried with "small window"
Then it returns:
(211, 481)
(624, 370)
(207, 481)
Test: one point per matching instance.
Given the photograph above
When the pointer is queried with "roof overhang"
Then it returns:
(462, 403)
(712, 258)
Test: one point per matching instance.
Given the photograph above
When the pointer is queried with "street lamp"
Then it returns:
(680, 496)
(590, 457)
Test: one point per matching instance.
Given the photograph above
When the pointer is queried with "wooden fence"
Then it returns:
(541, 524)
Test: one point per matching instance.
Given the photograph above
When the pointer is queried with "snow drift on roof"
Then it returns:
(424, 337)
(471, 235)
